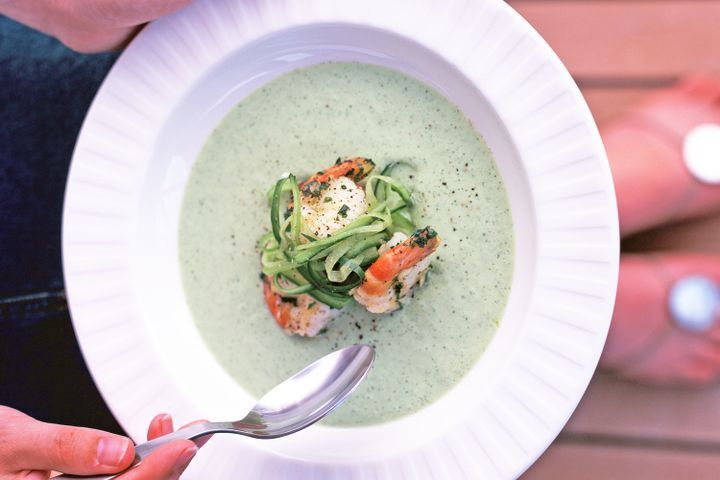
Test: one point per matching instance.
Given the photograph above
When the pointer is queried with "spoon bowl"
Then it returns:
(310, 394)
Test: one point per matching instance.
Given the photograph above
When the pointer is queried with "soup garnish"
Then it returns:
(342, 234)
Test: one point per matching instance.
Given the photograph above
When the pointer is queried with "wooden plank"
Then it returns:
(702, 236)
(629, 39)
(613, 407)
(608, 103)
(603, 462)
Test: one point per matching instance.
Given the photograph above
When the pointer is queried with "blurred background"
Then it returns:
(618, 51)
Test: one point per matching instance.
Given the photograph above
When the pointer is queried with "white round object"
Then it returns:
(175, 83)
(701, 151)
(694, 303)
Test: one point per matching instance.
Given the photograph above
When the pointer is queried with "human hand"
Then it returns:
(655, 188)
(32, 450)
(89, 25)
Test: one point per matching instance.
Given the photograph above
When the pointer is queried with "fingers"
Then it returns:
(93, 41)
(28, 444)
(102, 25)
(30, 449)
(202, 440)
(123, 13)
(92, 25)
(34, 475)
(653, 184)
(699, 235)
(160, 425)
(166, 463)
(644, 343)
(169, 461)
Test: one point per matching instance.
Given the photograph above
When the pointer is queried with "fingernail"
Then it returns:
(184, 458)
(111, 451)
(166, 424)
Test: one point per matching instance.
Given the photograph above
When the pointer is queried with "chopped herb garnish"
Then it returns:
(421, 237)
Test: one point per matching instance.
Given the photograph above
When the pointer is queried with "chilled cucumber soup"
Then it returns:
(300, 123)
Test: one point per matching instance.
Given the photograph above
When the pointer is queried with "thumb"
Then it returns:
(28, 444)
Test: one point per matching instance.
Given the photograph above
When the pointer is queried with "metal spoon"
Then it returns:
(296, 403)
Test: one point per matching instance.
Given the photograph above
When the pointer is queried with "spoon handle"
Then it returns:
(144, 449)
(188, 433)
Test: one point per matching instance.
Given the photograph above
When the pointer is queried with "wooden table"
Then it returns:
(618, 52)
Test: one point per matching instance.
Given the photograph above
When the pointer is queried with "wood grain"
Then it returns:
(701, 236)
(612, 407)
(603, 462)
(630, 40)
(607, 103)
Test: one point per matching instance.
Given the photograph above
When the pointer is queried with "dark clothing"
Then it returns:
(45, 91)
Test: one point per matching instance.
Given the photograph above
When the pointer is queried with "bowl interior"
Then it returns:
(200, 380)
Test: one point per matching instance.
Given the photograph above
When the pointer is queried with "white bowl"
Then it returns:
(173, 85)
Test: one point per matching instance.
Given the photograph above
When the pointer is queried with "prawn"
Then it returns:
(403, 264)
(297, 315)
(355, 169)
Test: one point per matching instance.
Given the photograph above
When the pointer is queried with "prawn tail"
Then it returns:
(406, 254)
(355, 169)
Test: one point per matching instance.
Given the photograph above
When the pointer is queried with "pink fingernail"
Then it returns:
(184, 458)
(111, 451)
(166, 424)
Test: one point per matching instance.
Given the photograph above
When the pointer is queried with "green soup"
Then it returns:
(300, 123)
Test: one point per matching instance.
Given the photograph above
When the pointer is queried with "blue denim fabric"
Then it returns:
(45, 90)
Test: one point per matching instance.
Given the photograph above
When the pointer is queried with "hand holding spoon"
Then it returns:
(296, 403)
